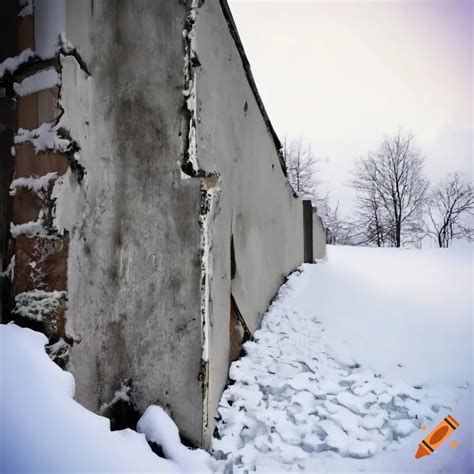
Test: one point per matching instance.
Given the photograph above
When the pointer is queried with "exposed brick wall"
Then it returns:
(40, 260)
(8, 47)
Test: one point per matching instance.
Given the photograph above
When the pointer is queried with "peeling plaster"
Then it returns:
(210, 192)
(190, 164)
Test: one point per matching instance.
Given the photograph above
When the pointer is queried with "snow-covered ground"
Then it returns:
(354, 358)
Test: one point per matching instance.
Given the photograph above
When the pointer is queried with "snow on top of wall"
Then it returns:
(45, 429)
(35, 184)
(60, 44)
(30, 228)
(40, 81)
(43, 138)
(12, 64)
(50, 39)
(38, 305)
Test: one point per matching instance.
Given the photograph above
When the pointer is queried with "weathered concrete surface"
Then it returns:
(150, 276)
(134, 264)
(319, 237)
(256, 205)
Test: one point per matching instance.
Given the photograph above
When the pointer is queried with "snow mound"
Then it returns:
(42, 429)
(159, 428)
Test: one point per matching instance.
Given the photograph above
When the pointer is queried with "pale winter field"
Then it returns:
(354, 356)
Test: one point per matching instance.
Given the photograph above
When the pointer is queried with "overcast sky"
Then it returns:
(344, 74)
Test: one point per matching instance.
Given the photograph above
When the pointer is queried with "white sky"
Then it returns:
(344, 74)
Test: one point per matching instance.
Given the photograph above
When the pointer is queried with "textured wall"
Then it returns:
(256, 205)
(319, 237)
(134, 265)
(169, 199)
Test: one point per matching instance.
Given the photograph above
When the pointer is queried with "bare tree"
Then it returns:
(371, 226)
(331, 219)
(339, 231)
(390, 190)
(450, 205)
(301, 167)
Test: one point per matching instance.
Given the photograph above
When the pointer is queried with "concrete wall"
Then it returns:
(256, 204)
(134, 261)
(175, 218)
(319, 237)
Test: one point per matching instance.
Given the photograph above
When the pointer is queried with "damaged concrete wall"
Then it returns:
(134, 258)
(102, 132)
(256, 209)
(157, 206)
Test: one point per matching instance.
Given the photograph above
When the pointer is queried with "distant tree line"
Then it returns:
(395, 205)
